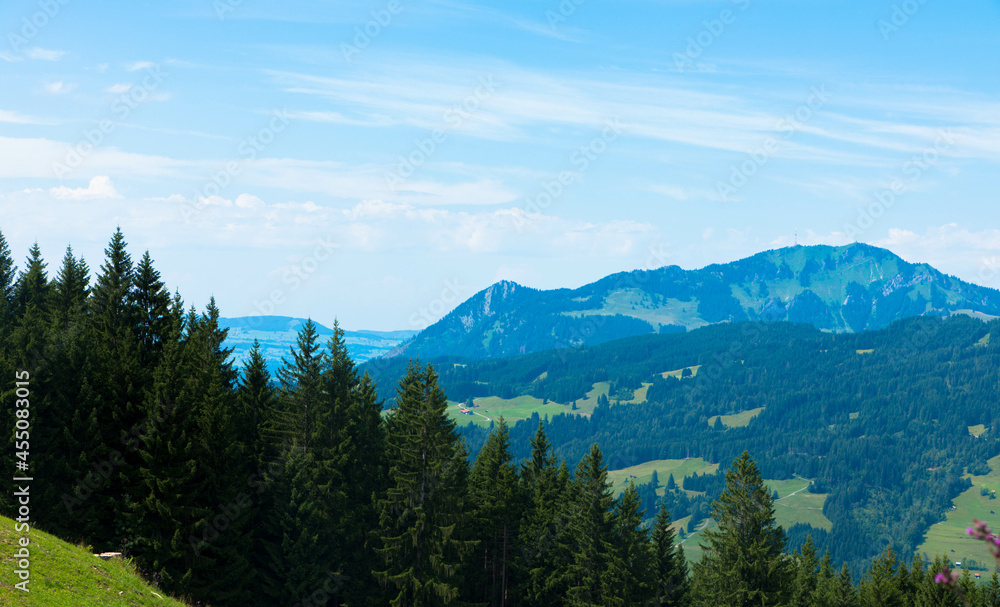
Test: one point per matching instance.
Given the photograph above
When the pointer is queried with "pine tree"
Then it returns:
(301, 381)
(881, 585)
(545, 538)
(353, 447)
(806, 575)
(8, 274)
(421, 515)
(195, 512)
(634, 583)
(594, 566)
(70, 290)
(258, 403)
(307, 529)
(8, 277)
(825, 583)
(991, 591)
(845, 594)
(152, 303)
(496, 497)
(672, 584)
(931, 594)
(743, 563)
(117, 388)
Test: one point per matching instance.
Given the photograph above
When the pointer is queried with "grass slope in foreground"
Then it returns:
(63, 575)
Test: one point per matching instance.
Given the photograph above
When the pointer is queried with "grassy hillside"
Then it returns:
(489, 408)
(63, 575)
(794, 505)
(642, 473)
(949, 538)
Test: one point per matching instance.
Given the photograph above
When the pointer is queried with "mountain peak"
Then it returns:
(845, 288)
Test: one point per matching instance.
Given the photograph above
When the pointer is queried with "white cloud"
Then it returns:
(249, 201)
(139, 65)
(118, 89)
(58, 88)
(43, 54)
(16, 118)
(100, 187)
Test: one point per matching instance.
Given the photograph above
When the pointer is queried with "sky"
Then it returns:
(380, 162)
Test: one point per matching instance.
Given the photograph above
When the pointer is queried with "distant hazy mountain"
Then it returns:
(277, 333)
(841, 289)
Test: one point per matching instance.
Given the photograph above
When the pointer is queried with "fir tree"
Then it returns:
(672, 585)
(594, 567)
(307, 529)
(845, 594)
(633, 557)
(301, 384)
(70, 290)
(8, 277)
(806, 575)
(881, 585)
(193, 517)
(743, 563)
(152, 303)
(496, 497)
(544, 553)
(117, 386)
(421, 515)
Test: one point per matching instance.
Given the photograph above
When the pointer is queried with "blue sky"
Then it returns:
(379, 162)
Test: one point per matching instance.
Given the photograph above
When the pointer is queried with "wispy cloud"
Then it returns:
(16, 118)
(43, 54)
(58, 88)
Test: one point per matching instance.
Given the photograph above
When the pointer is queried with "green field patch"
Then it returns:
(977, 430)
(639, 395)
(796, 505)
(950, 534)
(985, 341)
(488, 409)
(737, 420)
(64, 575)
(680, 468)
(677, 372)
(854, 414)
(865, 351)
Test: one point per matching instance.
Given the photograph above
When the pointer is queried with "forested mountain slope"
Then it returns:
(879, 420)
(842, 289)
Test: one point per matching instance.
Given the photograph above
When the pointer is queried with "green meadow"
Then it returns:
(63, 575)
(949, 538)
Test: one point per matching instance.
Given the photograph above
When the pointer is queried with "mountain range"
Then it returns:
(276, 334)
(849, 288)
